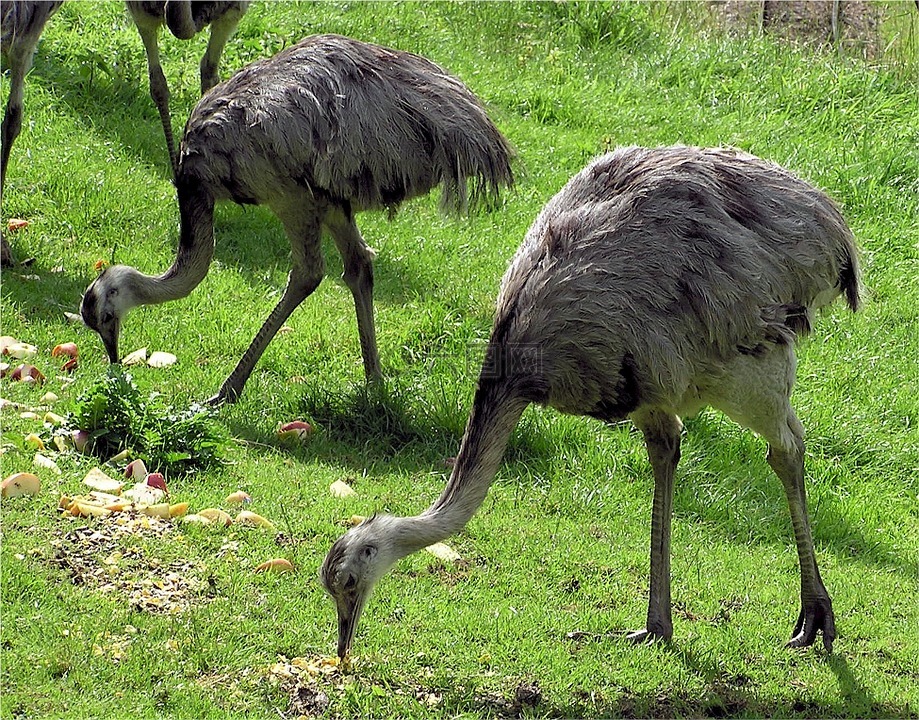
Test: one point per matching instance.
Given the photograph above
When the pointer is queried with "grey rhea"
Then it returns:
(184, 19)
(656, 282)
(21, 26)
(323, 130)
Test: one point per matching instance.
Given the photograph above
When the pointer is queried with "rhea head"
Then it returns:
(106, 301)
(353, 566)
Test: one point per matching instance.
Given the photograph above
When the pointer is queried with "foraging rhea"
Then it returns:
(185, 19)
(21, 26)
(656, 282)
(323, 130)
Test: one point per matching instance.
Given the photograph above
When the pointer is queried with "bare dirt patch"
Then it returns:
(110, 556)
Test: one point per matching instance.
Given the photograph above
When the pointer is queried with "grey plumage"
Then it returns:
(184, 19)
(319, 132)
(656, 282)
(21, 26)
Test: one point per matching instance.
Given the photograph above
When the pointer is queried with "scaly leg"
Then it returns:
(755, 392)
(358, 276)
(305, 275)
(816, 607)
(222, 30)
(662, 438)
(159, 90)
(20, 62)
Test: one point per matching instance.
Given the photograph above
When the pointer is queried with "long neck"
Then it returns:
(193, 259)
(495, 412)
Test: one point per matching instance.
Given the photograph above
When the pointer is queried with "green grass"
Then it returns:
(560, 544)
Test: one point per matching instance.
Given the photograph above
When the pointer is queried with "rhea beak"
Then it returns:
(349, 612)
(109, 335)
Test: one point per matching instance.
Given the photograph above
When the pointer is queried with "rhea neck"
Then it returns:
(194, 255)
(495, 413)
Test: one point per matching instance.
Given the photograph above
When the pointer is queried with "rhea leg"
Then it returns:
(159, 90)
(661, 431)
(358, 276)
(20, 60)
(816, 607)
(222, 30)
(755, 393)
(305, 275)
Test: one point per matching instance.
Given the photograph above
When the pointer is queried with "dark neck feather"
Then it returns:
(196, 248)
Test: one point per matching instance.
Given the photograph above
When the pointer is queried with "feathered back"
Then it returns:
(663, 263)
(350, 121)
(22, 21)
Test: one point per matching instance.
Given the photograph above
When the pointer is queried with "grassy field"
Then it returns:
(121, 621)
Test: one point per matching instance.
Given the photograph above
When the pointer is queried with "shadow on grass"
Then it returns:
(722, 695)
(387, 424)
(41, 294)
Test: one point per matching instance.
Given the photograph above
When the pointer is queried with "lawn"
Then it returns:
(168, 619)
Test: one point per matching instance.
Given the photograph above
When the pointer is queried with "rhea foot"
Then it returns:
(648, 636)
(227, 395)
(816, 615)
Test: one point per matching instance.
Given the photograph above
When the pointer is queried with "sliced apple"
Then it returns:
(238, 497)
(275, 565)
(216, 516)
(21, 483)
(98, 480)
(250, 518)
(341, 489)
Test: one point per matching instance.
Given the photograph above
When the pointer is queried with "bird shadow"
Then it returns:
(100, 94)
(250, 239)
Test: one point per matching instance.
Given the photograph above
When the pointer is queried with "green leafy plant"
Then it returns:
(117, 417)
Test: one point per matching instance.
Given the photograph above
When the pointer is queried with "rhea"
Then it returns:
(323, 130)
(184, 19)
(21, 26)
(656, 282)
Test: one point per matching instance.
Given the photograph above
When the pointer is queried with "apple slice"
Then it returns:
(21, 483)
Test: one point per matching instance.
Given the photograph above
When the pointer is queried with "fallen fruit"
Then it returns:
(98, 480)
(21, 351)
(156, 480)
(34, 441)
(144, 494)
(27, 373)
(136, 470)
(296, 430)
(80, 440)
(83, 509)
(355, 520)
(49, 398)
(217, 516)
(21, 483)
(444, 552)
(275, 565)
(5, 342)
(178, 510)
(250, 518)
(68, 349)
(160, 510)
(196, 520)
(160, 359)
(53, 418)
(138, 357)
(45, 462)
(14, 224)
(341, 489)
(238, 497)
(70, 365)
